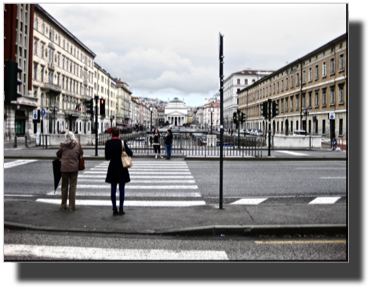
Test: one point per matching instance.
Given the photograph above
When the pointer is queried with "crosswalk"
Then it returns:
(153, 184)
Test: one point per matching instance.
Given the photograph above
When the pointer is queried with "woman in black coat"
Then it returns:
(168, 144)
(116, 173)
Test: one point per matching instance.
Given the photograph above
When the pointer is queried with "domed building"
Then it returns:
(176, 112)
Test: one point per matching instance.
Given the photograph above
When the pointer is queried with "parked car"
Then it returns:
(300, 133)
(258, 132)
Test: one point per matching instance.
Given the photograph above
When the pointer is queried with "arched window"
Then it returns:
(43, 27)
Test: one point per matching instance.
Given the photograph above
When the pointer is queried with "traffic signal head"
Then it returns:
(90, 106)
(275, 109)
(243, 117)
(11, 81)
(235, 117)
(102, 107)
(264, 110)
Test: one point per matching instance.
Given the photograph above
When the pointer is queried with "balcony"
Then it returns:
(51, 66)
(52, 87)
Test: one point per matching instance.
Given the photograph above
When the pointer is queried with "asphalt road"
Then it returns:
(279, 182)
(76, 246)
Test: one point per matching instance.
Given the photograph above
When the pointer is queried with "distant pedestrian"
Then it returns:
(168, 143)
(116, 173)
(157, 143)
(69, 152)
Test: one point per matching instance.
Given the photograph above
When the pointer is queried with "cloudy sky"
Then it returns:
(171, 50)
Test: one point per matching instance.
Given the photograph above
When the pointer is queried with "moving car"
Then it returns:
(300, 133)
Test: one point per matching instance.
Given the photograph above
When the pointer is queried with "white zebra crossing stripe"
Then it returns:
(142, 203)
(148, 181)
(18, 163)
(111, 254)
(127, 186)
(325, 200)
(249, 201)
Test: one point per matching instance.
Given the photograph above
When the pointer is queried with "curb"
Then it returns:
(246, 230)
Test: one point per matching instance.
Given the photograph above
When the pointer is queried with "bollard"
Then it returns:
(26, 141)
(46, 142)
(15, 143)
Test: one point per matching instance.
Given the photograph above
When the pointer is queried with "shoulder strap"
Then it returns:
(122, 145)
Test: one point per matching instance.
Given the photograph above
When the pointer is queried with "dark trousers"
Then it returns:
(67, 177)
(121, 195)
(157, 149)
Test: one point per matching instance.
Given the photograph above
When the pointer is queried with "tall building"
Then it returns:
(123, 99)
(63, 73)
(233, 85)
(18, 47)
(176, 112)
(310, 92)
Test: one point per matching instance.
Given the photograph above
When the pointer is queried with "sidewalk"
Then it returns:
(204, 220)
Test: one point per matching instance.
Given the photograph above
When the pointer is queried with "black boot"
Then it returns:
(121, 212)
(115, 211)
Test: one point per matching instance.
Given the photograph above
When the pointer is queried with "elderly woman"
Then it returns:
(116, 173)
(69, 153)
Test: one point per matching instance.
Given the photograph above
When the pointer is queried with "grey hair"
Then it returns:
(70, 136)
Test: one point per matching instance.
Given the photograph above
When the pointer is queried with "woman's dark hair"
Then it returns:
(157, 131)
(170, 132)
(115, 131)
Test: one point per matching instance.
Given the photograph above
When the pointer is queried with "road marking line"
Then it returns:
(112, 254)
(325, 200)
(302, 242)
(336, 177)
(26, 195)
(153, 181)
(18, 163)
(249, 201)
(131, 193)
(136, 172)
(127, 186)
(127, 203)
(292, 153)
(141, 176)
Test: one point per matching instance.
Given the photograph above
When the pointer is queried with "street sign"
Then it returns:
(43, 112)
(34, 114)
(335, 142)
(331, 115)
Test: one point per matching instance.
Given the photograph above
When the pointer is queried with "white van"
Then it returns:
(300, 133)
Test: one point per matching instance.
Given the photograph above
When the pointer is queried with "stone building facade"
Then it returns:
(309, 92)
(176, 112)
(63, 74)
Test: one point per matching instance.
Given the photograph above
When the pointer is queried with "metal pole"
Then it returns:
(269, 116)
(96, 125)
(221, 57)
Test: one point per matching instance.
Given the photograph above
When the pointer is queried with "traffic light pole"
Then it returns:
(221, 76)
(270, 118)
(96, 125)
(238, 127)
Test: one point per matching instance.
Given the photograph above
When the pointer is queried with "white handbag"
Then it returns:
(126, 160)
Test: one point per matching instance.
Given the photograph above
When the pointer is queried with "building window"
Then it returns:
(316, 99)
(35, 46)
(245, 81)
(297, 102)
(303, 76)
(316, 72)
(238, 81)
(324, 71)
(286, 104)
(35, 71)
(291, 81)
(309, 100)
(341, 62)
(36, 23)
(42, 50)
(332, 66)
(291, 103)
(282, 85)
(324, 97)
(286, 83)
(297, 79)
(282, 106)
(310, 74)
(332, 96)
(323, 126)
(341, 94)
(278, 87)
(42, 74)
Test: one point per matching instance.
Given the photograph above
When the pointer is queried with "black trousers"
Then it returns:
(157, 149)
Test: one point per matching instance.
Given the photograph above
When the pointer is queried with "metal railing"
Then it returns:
(185, 144)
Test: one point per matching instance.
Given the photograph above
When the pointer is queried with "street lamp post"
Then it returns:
(306, 113)
(212, 111)
(54, 110)
(151, 112)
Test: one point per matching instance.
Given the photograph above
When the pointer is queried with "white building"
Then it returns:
(232, 85)
(176, 112)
